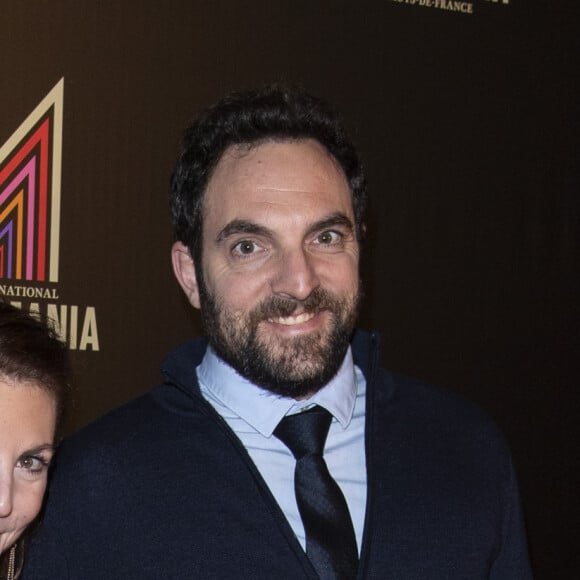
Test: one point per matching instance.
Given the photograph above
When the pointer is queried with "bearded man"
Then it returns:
(277, 448)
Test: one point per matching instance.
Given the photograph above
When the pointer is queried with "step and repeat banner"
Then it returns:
(466, 116)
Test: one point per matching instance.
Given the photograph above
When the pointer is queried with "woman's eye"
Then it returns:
(32, 463)
(328, 237)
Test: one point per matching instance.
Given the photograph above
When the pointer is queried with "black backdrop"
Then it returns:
(467, 122)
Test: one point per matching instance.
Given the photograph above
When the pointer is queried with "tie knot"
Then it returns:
(305, 433)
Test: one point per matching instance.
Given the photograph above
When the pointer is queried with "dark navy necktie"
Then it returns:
(330, 538)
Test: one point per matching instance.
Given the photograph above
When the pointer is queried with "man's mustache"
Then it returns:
(277, 306)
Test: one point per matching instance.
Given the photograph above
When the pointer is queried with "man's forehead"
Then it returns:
(290, 166)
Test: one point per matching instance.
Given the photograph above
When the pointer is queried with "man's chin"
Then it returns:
(295, 368)
(294, 387)
(295, 372)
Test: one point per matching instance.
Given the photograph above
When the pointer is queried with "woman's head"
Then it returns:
(34, 375)
(30, 352)
(27, 422)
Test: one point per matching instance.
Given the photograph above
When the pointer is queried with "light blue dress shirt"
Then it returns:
(253, 413)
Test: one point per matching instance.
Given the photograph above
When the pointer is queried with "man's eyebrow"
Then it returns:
(242, 227)
(332, 221)
(239, 226)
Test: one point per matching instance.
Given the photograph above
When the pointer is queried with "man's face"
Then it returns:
(280, 286)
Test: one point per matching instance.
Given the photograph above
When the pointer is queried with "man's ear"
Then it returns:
(184, 270)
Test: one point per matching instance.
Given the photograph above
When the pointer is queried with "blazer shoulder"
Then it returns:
(426, 404)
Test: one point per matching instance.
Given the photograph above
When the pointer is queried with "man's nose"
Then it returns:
(6, 491)
(296, 276)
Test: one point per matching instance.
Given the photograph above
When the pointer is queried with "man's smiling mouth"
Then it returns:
(293, 320)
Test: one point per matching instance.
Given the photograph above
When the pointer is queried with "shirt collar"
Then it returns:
(264, 410)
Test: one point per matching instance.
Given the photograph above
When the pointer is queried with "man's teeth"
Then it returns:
(291, 320)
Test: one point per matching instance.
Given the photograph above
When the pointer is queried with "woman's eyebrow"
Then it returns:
(39, 449)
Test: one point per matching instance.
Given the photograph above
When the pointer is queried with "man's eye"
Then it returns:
(245, 247)
(328, 237)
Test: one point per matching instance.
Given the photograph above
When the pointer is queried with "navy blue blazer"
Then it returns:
(162, 488)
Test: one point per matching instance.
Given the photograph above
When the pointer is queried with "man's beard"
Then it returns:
(289, 366)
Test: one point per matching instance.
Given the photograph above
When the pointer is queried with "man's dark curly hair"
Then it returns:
(273, 113)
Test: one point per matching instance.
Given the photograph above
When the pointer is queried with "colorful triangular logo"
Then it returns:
(30, 183)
